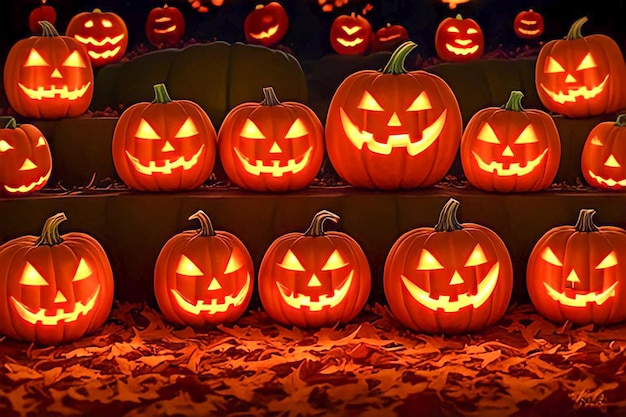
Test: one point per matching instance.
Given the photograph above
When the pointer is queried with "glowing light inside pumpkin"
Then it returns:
(428, 262)
(335, 261)
(31, 277)
(298, 301)
(350, 44)
(291, 262)
(166, 166)
(266, 34)
(51, 317)
(187, 267)
(214, 306)
(187, 130)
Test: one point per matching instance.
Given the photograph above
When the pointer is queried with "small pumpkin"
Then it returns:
(165, 26)
(452, 278)
(459, 40)
(603, 159)
(266, 25)
(528, 24)
(350, 34)
(389, 37)
(41, 13)
(315, 278)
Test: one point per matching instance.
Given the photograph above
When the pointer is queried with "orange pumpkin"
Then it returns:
(393, 129)
(452, 278)
(528, 24)
(48, 76)
(581, 76)
(266, 25)
(41, 13)
(389, 37)
(603, 159)
(315, 278)
(459, 40)
(271, 146)
(54, 288)
(165, 26)
(203, 276)
(510, 149)
(166, 145)
(578, 273)
(350, 35)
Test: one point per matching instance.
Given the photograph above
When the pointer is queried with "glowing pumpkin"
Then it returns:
(528, 24)
(54, 288)
(389, 37)
(266, 25)
(581, 76)
(48, 76)
(315, 278)
(452, 278)
(393, 129)
(165, 26)
(510, 149)
(350, 35)
(203, 276)
(459, 40)
(603, 159)
(578, 273)
(166, 145)
(39, 14)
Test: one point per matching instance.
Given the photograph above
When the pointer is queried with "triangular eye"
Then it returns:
(40, 142)
(297, 130)
(74, 61)
(188, 129)
(528, 135)
(234, 263)
(351, 30)
(549, 256)
(471, 31)
(145, 131)
(487, 134)
(428, 262)
(335, 261)
(35, 60)
(609, 261)
(453, 29)
(31, 277)
(369, 103)
(83, 271)
(188, 268)
(251, 131)
(612, 162)
(4, 146)
(553, 66)
(422, 102)
(596, 141)
(477, 257)
(291, 263)
(587, 62)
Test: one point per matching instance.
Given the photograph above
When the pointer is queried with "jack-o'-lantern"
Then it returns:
(452, 278)
(393, 129)
(25, 159)
(266, 25)
(528, 24)
(350, 35)
(315, 278)
(581, 76)
(459, 40)
(203, 277)
(389, 37)
(103, 34)
(603, 159)
(165, 26)
(453, 3)
(510, 149)
(271, 146)
(48, 76)
(39, 14)
(165, 145)
(578, 273)
(54, 288)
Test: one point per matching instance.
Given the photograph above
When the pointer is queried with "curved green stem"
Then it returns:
(447, 217)
(621, 120)
(11, 123)
(515, 102)
(47, 29)
(206, 227)
(396, 62)
(575, 29)
(317, 225)
(50, 234)
(270, 97)
(160, 94)
(585, 221)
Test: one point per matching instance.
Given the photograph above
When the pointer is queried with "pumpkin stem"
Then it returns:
(47, 29)
(575, 30)
(585, 221)
(270, 97)
(515, 102)
(459, 17)
(621, 120)
(206, 227)
(50, 234)
(317, 225)
(396, 62)
(97, 10)
(160, 94)
(11, 123)
(447, 217)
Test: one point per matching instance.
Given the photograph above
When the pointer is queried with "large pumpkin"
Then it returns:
(266, 25)
(459, 40)
(452, 278)
(578, 273)
(393, 129)
(41, 13)
(510, 149)
(166, 145)
(603, 159)
(528, 24)
(350, 35)
(203, 276)
(48, 76)
(54, 288)
(581, 76)
(271, 146)
(315, 278)
(165, 26)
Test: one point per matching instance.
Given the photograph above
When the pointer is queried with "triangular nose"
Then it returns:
(394, 121)
(167, 147)
(56, 74)
(570, 79)
(275, 148)
(214, 285)
(612, 162)
(314, 282)
(60, 298)
(28, 165)
(572, 277)
(507, 151)
(456, 279)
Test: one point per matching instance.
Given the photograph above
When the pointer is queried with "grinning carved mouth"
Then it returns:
(167, 166)
(461, 51)
(580, 300)
(62, 92)
(91, 41)
(608, 181)
(164, 31)
(514, 169)
(52, 317)
(325, 300)
(105, 54)
(293, 166)
(443, 302)
(29, 187)
(350, 44)
(266, 33)
(360, 137)
(572, 94)
(214, 307)
(528, 31)
(389, 38)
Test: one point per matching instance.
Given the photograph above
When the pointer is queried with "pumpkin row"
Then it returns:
(451, 278)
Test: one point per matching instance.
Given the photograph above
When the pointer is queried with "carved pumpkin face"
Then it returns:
(266, 25)
(314, 279)
(603, 160)
(350, 35)
(104, 35)
(203, 277)
(41, 13)
(165, 26)
(459, 39)
(453, 278)
(54, 288)
(271, 146)
(389, 37)
(383, 129)
(166, 145)
(576, 273)
(528, 24)
(509, 148)
(581, 76)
